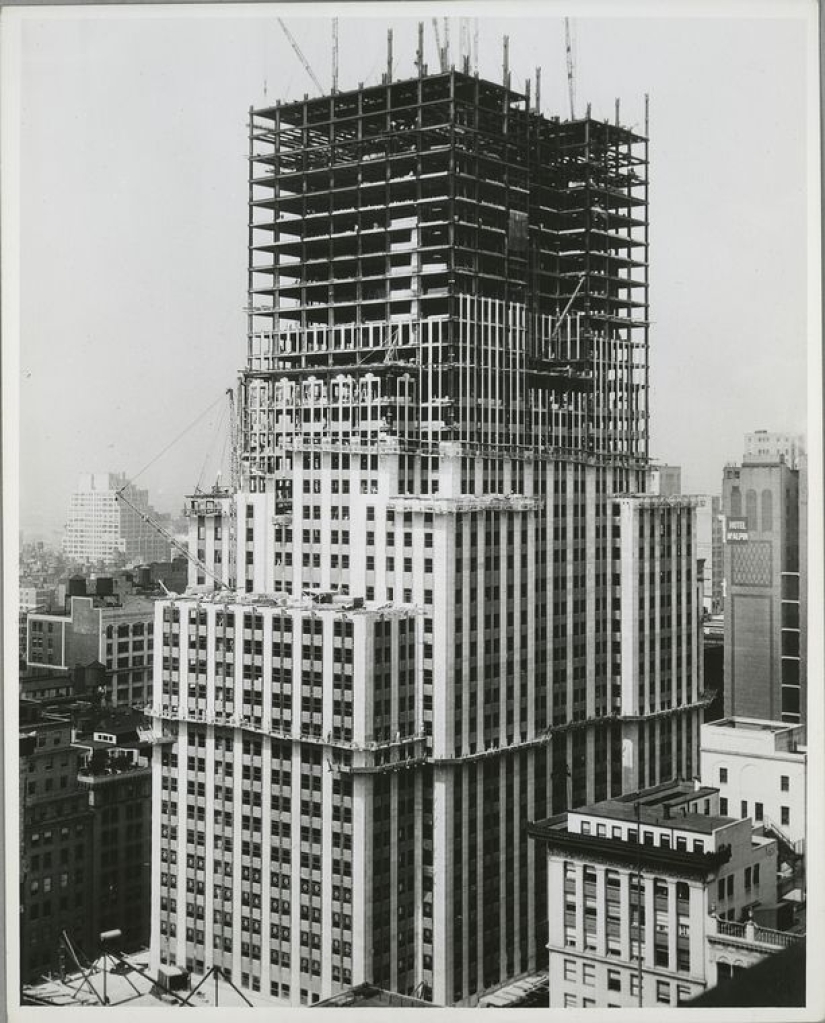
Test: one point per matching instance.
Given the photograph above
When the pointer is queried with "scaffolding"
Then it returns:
(442, 238)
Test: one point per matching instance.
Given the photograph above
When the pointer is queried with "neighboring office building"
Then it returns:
(669, 879)
(425, 430)
(32, 598)
(762, 446)
(98, 628)
(765, 582)
(85, 838)
(102, 528)
(116, 773)
(760, 769)
(23, 631)
(55, 839)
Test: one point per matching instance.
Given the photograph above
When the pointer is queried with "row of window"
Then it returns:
(784, 782)
(758, 811)
(725, 886)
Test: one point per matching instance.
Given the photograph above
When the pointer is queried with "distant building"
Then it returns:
(662, 882)
(762, 446)
(117, 633)
(765, 583)
(102, 528)
(32, 597)
(710, 547)
(717, 572)
(760, 769)
(665, 480)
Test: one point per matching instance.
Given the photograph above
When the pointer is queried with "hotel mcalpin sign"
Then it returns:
(737, 531)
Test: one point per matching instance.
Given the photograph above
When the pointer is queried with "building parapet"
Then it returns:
(308, 601)
(749, 933)
(93, 780)
(175, 712)
(206, 504)
(455, 505)
(657, 501)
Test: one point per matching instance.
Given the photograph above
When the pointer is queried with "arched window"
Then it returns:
(750, 510)
(735, 502)
(767, 510)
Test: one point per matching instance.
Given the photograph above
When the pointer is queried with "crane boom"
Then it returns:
(184, 550)
(438, 43)
(234, 464)
(572, 299)
(335, 55)
(300, 55)
(571, 83)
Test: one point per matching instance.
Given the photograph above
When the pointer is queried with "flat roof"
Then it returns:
(704, 824)
(751, 725)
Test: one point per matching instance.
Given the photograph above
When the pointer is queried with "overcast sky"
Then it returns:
(133, 215)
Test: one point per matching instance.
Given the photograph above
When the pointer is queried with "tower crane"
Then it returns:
(300, 55)
(571, 84)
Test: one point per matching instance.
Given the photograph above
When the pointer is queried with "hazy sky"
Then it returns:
(134, 240)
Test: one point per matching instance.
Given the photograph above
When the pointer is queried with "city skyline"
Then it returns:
(160, 162)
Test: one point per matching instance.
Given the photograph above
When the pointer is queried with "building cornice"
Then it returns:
(633, 854)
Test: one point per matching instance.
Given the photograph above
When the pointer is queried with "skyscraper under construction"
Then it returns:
(444, 604)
